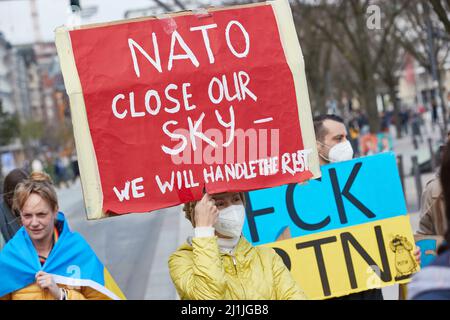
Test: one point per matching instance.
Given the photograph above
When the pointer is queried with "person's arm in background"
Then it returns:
(426, 225)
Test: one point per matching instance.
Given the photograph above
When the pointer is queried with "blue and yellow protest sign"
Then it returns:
(350, 229)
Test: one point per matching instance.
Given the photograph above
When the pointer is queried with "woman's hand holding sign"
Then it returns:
(206, 212)
(46, 281)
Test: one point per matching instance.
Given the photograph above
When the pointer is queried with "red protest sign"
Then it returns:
(180, 104)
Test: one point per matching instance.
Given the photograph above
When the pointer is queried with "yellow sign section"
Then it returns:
(348, 260)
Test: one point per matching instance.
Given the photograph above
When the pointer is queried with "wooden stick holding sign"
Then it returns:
(163, 107)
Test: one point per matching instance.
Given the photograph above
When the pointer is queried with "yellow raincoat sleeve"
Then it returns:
(198, 274)
(285, 286)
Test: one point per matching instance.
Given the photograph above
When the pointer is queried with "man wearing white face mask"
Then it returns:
(218, 263)
(333, 146)
(331, 138)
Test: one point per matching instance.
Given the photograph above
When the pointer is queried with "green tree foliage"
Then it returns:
(9, 126)
(31, 130)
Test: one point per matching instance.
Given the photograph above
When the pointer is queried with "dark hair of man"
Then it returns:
(445, 183)
(319, 128)
(12, 179)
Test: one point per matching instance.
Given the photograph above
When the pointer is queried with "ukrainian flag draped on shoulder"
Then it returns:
(72, 262)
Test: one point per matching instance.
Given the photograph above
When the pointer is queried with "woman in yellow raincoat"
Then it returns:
(218, 263)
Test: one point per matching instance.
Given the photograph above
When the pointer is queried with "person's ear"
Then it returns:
(318, 146)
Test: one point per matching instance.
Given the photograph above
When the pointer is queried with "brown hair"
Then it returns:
(189, 208)
(445, 183)
(39, 183)
(319, 128)
(12, 179)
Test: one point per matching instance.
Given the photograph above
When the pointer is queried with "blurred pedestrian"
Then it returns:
(385, 145)
(354, 132)
(368, 142)
(75, 168)
(37, 166)
(433, 281)
(385, 121)
(9, 220)
(36, 264)
(49, 166)
(67, 168)
(26, 165)
(218, 263)
(60, 172)
(404, 118)
(415, 128)
(363, 121)
(434, 113)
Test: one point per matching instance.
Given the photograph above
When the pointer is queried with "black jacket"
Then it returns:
(8, 222)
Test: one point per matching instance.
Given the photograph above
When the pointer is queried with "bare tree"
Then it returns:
(441, 8)
(163, 5)
(416, 32)
(344, 24)
(389, 68)
(317, 52)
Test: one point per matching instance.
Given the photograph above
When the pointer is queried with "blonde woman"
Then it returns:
(45, 260)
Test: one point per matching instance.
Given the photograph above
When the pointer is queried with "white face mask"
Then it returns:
(230, 221)
(341, 152)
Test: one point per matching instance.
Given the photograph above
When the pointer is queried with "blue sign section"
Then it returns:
(349, 193)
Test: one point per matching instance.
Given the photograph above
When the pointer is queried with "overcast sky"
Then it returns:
(17, 25)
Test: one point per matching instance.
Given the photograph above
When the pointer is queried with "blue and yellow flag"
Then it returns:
(71, 262)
